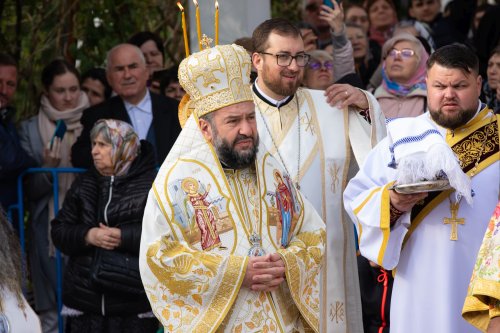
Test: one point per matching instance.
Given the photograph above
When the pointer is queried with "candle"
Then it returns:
(198, 24)
(184, 29)
(216, 22)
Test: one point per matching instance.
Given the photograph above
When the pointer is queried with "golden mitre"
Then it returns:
(214, 78)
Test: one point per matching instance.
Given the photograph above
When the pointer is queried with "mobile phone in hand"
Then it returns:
(329, 3)
(59, 132)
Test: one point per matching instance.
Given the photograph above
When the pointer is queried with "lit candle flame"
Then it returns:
(184, 29)
(198, 24)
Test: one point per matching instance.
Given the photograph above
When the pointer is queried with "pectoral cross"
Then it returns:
(454, 220)
(256, 249)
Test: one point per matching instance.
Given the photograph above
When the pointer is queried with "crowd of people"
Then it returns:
(319, 175)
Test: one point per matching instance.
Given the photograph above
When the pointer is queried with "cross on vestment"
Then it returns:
(454, 221)
(206, 71)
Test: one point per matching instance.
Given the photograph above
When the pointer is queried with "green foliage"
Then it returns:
(287, 9)
(37, 31)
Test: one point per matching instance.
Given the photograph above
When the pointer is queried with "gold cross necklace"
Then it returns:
(454, 220)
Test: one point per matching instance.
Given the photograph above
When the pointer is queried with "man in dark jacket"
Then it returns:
(13, 159)
(152, 116)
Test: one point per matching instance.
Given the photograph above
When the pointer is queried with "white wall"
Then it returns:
(237, 18)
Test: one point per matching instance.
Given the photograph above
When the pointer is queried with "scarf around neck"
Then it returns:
(417, 81)
(47, 117)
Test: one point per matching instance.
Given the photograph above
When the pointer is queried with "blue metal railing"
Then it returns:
(20, 208)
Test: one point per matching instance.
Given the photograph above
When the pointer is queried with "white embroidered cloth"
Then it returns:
(419, 152)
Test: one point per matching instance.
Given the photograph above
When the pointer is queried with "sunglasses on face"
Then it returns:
(316, 65)
(404, 53)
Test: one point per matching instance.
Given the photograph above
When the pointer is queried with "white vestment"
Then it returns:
(432, 272)
(314, 142)
(197, 232)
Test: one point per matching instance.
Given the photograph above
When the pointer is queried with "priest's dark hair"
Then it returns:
(279, 26)
(456, 56)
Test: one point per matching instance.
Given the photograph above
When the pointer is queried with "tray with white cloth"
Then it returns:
(423, 186)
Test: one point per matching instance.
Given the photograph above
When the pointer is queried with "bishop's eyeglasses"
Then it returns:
(285, 60)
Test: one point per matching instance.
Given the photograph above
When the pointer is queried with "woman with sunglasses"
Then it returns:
(318, 72)
(403, 90)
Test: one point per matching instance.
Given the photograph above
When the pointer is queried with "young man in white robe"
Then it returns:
(431, 240)
(315, 143)
(216, 253)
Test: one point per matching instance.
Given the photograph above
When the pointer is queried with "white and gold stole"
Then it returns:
(314, 142)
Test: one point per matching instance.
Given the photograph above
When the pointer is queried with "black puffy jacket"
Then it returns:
(82, 210)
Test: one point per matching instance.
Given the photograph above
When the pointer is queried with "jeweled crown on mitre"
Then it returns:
(214, 78)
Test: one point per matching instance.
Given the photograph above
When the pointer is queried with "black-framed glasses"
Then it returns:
(317, 65)
(285, 60)
(404, 53)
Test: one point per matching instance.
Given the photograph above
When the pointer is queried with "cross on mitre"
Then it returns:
(206, 41)
(206, 68)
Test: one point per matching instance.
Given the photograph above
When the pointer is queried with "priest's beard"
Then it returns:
(274, 80)
(232, 158)
(452, 121)
(10, 260)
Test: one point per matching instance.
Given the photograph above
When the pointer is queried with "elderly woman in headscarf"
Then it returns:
(100, 224)
(403, 90)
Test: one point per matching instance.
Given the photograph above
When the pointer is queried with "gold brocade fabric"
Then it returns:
(196, 237)
(476, 146)
(480, 143)
(483, 296)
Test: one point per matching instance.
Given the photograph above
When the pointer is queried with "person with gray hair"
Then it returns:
(99, 229)
(152, 116)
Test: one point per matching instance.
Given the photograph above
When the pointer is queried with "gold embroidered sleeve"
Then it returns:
(302, 259)
(194, 290)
